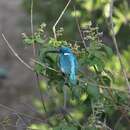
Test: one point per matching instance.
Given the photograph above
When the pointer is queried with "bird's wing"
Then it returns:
(73, 71)
(64, 64)
(69, 65)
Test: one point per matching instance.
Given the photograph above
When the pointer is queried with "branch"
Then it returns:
(20, 113)
(62, 13)
(65, 95)
(32, 29)
(116, 45)
(35, 61)
(15, 54)
(34, 53)
(79, 29)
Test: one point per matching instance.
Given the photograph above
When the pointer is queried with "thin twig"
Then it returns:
(79, 29)
(20, 113)
(15, 54)
(21, 60)
(20, 118)
(103, 87)
(65, 94)
(62, 13)
(116, 45)
(32, 29)
(35, 61)
(40, 92)
(34, 53)
(29, 67)
(17, 127)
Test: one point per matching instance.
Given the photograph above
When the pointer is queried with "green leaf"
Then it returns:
(108, 50)
(40, 69)
(39, 40)
(39, 126)
(93, 91)
(28, 41)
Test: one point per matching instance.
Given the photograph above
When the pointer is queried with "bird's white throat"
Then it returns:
(66, 54)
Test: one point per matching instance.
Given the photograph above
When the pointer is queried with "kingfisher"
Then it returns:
(67, 62)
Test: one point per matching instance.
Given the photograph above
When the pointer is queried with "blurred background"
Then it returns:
(17, 83)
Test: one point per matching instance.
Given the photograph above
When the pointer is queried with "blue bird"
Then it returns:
(68, 64)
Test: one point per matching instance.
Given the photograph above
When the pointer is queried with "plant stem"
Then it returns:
(62, 13)
(116, 45)
(15, 54)
(34, 53)
(79, 29)
(65, 95)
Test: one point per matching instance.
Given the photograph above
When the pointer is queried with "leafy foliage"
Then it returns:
(94, 103)
(96, 11)
(93, 95)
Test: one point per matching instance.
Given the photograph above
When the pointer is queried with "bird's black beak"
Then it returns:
(52, 51)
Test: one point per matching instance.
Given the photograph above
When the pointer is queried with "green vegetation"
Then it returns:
(100, 100)
(96, 11)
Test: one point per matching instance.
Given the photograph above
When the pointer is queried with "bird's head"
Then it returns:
(61, 50)
(65, 50)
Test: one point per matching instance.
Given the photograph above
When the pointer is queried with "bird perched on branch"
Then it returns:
(67, 63)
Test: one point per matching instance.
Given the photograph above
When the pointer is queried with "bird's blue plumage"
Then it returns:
(68, 64)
